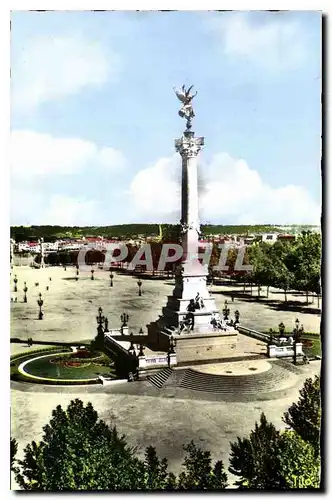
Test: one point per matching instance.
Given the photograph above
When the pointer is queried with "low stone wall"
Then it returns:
(158, 361)
(108, 381)
(284, 351)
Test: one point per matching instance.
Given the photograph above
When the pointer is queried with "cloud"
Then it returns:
(155, 191)
(34, 208)
(47, 68)
(273, 41)
(61, 180)
(231, 193)
(64, 210)
(36, 154)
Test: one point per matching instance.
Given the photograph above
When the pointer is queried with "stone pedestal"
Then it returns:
(12, 244)
(42, 253)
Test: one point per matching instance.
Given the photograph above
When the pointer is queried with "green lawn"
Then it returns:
(315, 349)
(43, 367)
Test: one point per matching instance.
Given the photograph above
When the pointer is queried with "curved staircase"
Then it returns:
(263, 382)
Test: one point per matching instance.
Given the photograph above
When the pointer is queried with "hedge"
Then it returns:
(291, 333)
(14, 357)
(18, 377)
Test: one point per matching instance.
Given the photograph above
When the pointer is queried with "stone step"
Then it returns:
(228, 384)
(289, 365)
(159, 379)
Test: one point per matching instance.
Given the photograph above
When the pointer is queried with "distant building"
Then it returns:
(286, 237)
(269, 237)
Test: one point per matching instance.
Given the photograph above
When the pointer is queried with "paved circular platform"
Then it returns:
(235, 368)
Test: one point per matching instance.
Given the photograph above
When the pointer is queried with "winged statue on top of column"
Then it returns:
(186, 98)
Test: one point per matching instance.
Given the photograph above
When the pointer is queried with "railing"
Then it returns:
(280, 350)
(160, 360)
(254, 333)
(110, 340)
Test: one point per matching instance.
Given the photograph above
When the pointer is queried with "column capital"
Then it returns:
(189, 146)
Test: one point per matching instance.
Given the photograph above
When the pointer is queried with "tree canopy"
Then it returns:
(272, 459)
(78, 452)
(304, 417)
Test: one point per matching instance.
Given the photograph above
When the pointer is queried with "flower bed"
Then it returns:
(81, 358)
(44, 368)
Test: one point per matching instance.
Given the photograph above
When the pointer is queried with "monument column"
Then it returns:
(191, 315)
(41, 243)
(12, 244)
(189, 147)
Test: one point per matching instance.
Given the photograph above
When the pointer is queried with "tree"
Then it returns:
(199, 473)
(299, 463)
(270, 459)
(79, 452)
(13, 451)
(255, 459)
(304, 417)
(156, 475)
(305, 262)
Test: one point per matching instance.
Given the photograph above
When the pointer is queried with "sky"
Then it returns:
(94, 116)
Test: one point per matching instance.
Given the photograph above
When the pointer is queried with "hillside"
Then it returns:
(22, 233)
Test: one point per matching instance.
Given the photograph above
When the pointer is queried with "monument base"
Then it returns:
(195, 347)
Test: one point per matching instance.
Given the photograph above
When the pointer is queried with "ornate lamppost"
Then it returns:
(282, 329)
(100, 317)
(15, 283)
(131, 349)
(271, 336)
(124, 318)
(25, 289)
(139, 284)
(111, 278)
(226, 311)
(296, 329)
(296, 333)
(92, 272)
(301, 332)
(171, 349)
(141, 350)
(40, 302)
(100, 321)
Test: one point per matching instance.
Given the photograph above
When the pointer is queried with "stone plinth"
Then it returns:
(193, 347)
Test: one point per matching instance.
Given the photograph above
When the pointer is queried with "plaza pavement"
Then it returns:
(70, 307)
